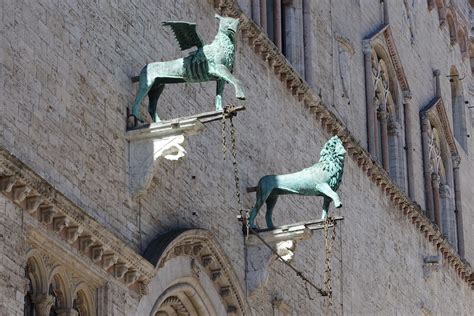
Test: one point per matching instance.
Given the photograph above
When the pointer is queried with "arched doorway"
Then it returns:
(193, 277)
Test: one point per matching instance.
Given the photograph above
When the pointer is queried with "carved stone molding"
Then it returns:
(334, 126)
(148, 145)
(205, 253)
(57, 214)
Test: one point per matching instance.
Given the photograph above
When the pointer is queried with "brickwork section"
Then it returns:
(66, 71)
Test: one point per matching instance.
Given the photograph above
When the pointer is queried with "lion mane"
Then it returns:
(332, 161)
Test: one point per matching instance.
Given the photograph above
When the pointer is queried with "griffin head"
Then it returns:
(228, 26)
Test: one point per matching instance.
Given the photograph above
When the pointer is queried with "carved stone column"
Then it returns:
(435, 179)
(382, 115)
(369, 96)
(426, 167)
(43, 304)
(409, 145)
(444, 194)
(458, 206)
(396, 162)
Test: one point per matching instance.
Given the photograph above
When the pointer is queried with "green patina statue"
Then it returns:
(322, 179)
(214, 61)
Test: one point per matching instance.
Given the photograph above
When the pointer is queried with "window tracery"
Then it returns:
(52, 291)
(439, 176)
(389, 125)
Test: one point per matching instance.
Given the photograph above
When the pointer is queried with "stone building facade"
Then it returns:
(393, 79)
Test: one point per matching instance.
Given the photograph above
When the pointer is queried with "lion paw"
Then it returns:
(338, 205)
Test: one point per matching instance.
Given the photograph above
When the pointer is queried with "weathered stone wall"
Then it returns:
(12, 261)
(66, 69)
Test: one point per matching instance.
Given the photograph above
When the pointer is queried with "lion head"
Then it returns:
(333, 155)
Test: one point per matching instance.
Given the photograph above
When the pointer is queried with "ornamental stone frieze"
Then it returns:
(53, 218)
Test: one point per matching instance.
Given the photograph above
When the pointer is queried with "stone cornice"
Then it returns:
(264, 48)
(60, 215)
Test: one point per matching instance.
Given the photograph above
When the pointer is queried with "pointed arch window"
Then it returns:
(440, 172)
(388, 118)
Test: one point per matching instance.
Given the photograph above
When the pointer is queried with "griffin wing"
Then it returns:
(185, 34)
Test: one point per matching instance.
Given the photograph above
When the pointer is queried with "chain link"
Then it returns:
(329, 242)
(229, 113)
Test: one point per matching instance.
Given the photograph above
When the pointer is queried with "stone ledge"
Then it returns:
(333, 126)
(60, 216)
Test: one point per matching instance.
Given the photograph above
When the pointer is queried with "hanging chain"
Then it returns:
(224, 134)
(228, 113)
(329, 242)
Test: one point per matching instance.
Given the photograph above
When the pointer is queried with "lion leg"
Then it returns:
(271, 201)
(219, 91)
(222, 72)
(153, 97)
(143, 88)
(325, 189)
(325, 211)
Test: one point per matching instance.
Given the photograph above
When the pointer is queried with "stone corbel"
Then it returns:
(148, 145)
(283, 240)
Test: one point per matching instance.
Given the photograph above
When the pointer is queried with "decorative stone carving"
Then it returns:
(225, 291)
(109, 260)
(207, 260)
(46, 214)
(130, 277)
(85, 242)
(216, 274)
(32, 203)
(72, 233)
(6, 183)
(59, 223)
(43, 303)
(19, 193)
(97, 252)
(283, 240)
(119, 270)
(148, 145)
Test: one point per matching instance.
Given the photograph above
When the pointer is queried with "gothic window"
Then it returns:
(440, 167)
(388, 119)
(458, 109)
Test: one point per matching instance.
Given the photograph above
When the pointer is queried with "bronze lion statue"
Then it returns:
(321, 179)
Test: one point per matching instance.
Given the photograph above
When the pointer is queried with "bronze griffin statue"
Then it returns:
(214, 61)
(321, 179)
